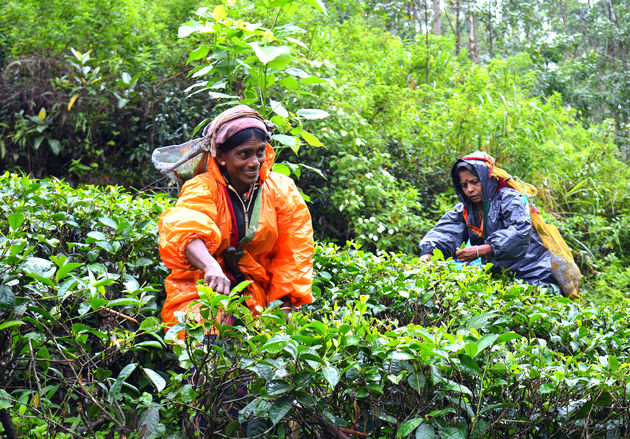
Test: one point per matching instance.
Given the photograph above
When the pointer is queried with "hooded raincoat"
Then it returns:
(277, 249)
(507, 228)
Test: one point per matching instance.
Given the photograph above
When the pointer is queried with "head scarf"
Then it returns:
(224, 126)
(230, 122)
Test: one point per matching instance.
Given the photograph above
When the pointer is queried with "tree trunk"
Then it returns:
(622, 49)
(564, 16)
(437, 18)
(458, 40)
(490, 36)
(611, 40)
(426, 26)
(472, 38)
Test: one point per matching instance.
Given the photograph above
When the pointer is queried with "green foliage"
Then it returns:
(79, 283)
(254, 63)
(390, 347)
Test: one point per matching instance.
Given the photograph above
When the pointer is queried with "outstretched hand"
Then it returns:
(213, 277)
(425, 258)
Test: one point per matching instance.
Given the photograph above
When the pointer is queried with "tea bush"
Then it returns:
(389, 348)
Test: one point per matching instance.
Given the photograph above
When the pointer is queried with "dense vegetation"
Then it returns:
(373, 102)
(390, 347)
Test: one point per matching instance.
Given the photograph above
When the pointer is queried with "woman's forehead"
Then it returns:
(252, 143)
(465, 173)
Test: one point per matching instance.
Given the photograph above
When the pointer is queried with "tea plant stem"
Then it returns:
(86, 392)
(121, 315)
(354, 432)
(170, 78)
(336, 431)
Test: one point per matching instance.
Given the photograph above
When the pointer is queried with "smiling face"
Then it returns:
(243, 163)
(471, 185)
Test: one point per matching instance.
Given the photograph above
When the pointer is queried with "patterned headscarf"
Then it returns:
(230, 122)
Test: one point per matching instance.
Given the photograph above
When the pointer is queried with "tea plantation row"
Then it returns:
(390, 347)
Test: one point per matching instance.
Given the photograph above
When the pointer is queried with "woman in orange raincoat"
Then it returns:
(238, 202)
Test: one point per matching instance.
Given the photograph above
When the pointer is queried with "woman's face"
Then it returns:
(243, 163)
(471, 185)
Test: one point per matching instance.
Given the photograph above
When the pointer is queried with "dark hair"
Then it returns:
(242, 137)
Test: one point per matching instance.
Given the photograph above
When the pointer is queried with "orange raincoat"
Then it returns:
(278, 259)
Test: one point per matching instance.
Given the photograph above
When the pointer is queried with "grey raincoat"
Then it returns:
(507, 228)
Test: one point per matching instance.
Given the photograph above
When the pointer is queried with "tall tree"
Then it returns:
(437, 18)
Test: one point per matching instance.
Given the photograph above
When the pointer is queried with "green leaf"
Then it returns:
(486, 340)
(318, 4)
(219, 13)
(311, 139)
(471, 349)
(425, 431)
(278, 109)
(7, 296)
(55, 146)
(155, 378)
(65, 270)
(123, 301)
(507, 336)
(109, 222)
(5, 400)
(282, 168)
(266, 54)
(95, 235)
(311, 113)
(200, 52)
(479, 321)
(408, 426)
(279, 63)
(400, 355)
(149, 422)
(277, 387)
(417, 382)
(10, 323)
(15, 220)
(296, 41)
(289, 83)
(452, 433)
(332, 375)
(289, 141)
(280, 408)
(39, 266)
(114, 391)
(275, 344)
(149, 323)
(546, 388)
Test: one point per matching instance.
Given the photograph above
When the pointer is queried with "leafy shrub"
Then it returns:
(391, 347)
(79, 284)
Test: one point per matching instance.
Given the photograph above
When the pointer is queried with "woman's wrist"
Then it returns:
(484, 250)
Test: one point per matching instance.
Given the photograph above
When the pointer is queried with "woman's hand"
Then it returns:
(469, 254)
(425, 258)
(287, 307)
(213, 276)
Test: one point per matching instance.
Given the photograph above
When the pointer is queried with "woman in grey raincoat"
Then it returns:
(496, 220)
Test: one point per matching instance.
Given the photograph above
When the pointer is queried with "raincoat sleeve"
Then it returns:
(511, 240)
(447, 235)
(194, 216)
(291, 267)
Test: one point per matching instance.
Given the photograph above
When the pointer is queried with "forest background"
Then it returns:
(373, 102)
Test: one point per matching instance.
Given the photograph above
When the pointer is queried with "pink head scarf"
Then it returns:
(230, 122)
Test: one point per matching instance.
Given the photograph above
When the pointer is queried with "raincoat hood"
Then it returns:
(490, 185)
